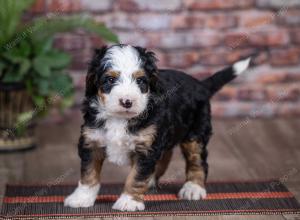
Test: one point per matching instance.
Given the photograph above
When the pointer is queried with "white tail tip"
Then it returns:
(240, 66)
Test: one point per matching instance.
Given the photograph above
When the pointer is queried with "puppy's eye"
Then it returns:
(111, 79)
(140, 80)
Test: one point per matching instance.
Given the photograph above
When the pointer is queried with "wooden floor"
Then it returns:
(239, 150)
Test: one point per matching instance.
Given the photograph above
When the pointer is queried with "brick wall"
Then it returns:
(200, 37)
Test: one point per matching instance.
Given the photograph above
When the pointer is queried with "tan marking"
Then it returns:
(144, 139)
(194, 170)
(91, 175)
(102, 96)
(163, 163)
(138, 74)
(92, 137)
(114, 74)
(136, 189)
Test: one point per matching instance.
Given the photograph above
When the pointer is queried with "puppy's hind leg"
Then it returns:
(85, 194)
(194, 188)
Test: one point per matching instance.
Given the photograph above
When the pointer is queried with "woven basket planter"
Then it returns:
(14, 100)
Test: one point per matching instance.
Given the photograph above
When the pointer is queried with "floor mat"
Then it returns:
(224, 198)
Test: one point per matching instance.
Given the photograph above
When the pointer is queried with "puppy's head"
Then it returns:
(123, 77)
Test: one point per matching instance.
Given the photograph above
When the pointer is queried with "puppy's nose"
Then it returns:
(125, 103)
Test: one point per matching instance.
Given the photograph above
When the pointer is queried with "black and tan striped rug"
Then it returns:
(45, 201)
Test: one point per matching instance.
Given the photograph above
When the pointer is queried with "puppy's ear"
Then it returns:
(94, 71)
(149, 63)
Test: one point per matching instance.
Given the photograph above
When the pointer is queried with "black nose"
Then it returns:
(126, 104)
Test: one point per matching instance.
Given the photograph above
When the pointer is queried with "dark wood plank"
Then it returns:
(239, 150)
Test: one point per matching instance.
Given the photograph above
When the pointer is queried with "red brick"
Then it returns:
(96, 41)
(295, 35)
(256, 19)
(200, 72)
(70, 42)
(96, 5)
(174, 40)
(229, 109)
(39, 6)
(188, 21)
(78, 97)
(134, 38)
(287, 92)
(153, 22)
(261, 58)
(282, 57)
(154, 5)
(64, 5)
(248, 92)
(78, 79)
(278, 77)
(235, 40)
(78, 46)
(291, 17)
(251, 93)
(217, 4)
(80, 59)
(207, 39)
(238, 54)
(121, 21)
(161, 56)
(269, 38)
(226, 93)
(127, 5)
(278, 4)
(289, 109)
(220, 21)
(182, 59)
(213, 57)
(217, 21)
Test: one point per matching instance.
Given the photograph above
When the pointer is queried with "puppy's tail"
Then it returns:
(215, 82)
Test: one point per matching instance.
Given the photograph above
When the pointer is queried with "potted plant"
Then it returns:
(32, 72)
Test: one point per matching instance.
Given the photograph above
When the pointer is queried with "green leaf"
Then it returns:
(42, 46)
(61, 24)
(41, 66)
(61, 84)
(2, 66)
(29, 86)
(43, 87)
(18, 54)
(24, 49)
(10, 17)
(12, 58)
(56, 59)
(12, 77)
(24, 67)
(39, 101)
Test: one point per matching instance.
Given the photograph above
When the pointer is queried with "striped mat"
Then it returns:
(45, 201)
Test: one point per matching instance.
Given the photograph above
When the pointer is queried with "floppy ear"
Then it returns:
(149, 63)
(94, 72)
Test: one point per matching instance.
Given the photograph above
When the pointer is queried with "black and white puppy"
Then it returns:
(134, 114)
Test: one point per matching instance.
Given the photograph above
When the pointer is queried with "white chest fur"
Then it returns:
(118, 141)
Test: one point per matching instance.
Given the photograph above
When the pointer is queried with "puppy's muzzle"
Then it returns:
(126, 103)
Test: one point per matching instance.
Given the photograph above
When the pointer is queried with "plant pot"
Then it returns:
(14, 100)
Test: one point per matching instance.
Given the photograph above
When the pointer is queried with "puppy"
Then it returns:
(134, 114)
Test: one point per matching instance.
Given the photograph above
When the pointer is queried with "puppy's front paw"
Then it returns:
(192, 191)
(83, 196)
(127, 203)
